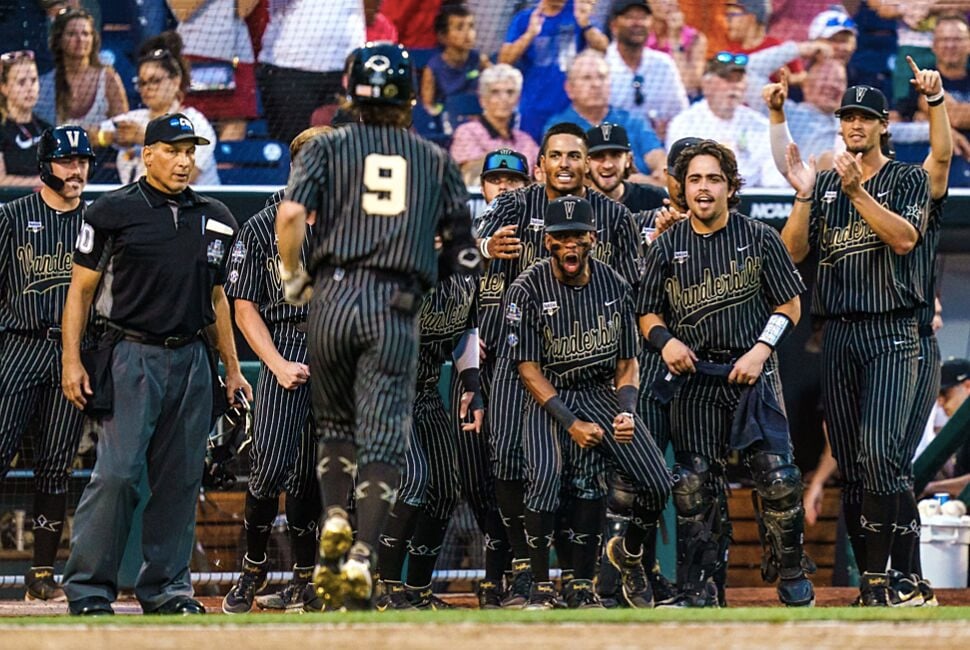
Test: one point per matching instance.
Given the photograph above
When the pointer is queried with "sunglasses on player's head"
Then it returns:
(504, 161)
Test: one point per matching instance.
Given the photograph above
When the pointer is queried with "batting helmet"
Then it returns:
(381, 73)
(62, 142)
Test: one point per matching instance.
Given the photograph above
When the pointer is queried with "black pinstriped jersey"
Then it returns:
(448, 311)
(381, 195)
(491, 290)
(576, 334)
(36, 248)
(717, 291)
(617, 241)
(925, 258)
(857, 272)
(253, 272)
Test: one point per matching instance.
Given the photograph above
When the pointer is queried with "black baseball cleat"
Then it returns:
(703, 594)
(251, 579)
(520, 587)
(356, 574)
(336, 537)
(636, 589)
(542, 595)
(665, 593)
(580, 594)
(796, 592)
(42, 586)
(295, 597)
(906, 589)
(489, 595)
(394, 596)
(875, 590)
(424, 598)
(926, 590)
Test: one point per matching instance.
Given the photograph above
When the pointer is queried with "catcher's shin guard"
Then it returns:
(698, 530)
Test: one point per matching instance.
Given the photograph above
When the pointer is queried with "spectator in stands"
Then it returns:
(812, 124)
(875, 51)
(789, 20)
(837, 28)
(721, 116)
(492, 18)
(542, 42)
(220, 52)
(686, 45)
(454, 70)
(747, 22)
(414, 20)
(708, 16)
(80, 89)
(379, 26)
(302, 60)
(20, 128)
(588, 88)
(951, 45)
(499, 89)
(914, 37)
(954, 391)
(643, 82)
(163, 79)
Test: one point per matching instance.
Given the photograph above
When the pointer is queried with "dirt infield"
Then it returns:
(723, 636)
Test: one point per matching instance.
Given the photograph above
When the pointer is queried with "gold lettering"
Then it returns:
(583, 343)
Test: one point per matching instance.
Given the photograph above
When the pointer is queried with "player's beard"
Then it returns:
(572, 264)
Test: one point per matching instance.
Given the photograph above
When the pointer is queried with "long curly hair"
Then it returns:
(727, 160)
(62, 89)
(166, 50)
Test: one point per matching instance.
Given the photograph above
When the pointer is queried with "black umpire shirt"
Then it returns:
(161, 255)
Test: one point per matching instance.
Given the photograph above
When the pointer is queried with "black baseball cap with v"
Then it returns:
(607, 137)
(569, 214)
(866, 99)
(174, 127)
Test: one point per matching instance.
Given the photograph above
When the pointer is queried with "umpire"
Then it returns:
(719, 292)
(152, 254)
(37, 234)
(865, 218)
(380, 195)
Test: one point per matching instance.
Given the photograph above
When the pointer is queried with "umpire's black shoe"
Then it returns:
(796, 592)
(636, 589)
(252, 578)
(580, 594)
(90, 606)
(489, 595)
(180, 606)
(520, 588)
(41, 585)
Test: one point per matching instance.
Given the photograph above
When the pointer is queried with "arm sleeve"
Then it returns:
(459, 254)
(522, 325)
(764, 62)
(780, 138)
(307, 178)
(247, 262)
(781, 281)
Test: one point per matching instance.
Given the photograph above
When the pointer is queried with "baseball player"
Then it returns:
(611, 163)
(37, 234)
(864, 218)
(380, 194)
(572, 332)
(429, 491)
(719, 292)
(504, 170)
(283, 450)
(512, 235)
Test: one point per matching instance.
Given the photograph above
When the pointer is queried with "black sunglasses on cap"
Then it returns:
(500, 162)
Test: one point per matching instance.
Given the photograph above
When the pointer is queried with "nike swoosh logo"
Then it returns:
(769, 372)
(742, 248)
(879, 195)
(24, 144)
(898, 342)
(611, 302)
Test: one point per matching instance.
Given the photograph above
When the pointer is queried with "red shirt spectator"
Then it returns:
(379, 26)
(414, 20)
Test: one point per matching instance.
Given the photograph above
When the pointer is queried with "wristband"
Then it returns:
(483, 247)
(775, 330)
(626, 398)
(803, 199)
(558, 410)
(936, 99)
(659, 336)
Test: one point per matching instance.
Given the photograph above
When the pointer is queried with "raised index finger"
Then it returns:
(912, 65)
(783, 73)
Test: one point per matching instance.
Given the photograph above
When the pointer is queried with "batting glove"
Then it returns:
(297, 285)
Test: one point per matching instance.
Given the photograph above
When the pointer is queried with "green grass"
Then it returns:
(471, 616)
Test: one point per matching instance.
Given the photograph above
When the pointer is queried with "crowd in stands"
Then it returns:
(493, 73)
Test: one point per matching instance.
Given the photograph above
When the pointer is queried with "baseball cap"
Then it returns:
(864, 98)
(829, 23)
(760, 9)
(607, 137)
(174, 127)
(677, 148)
(620, 6)
(569, 214)
(724, 63)
(506, 160)
(953, 372)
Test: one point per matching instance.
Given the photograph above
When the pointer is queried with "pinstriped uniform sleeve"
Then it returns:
(6, 249)
(630, 261)
(455, 225)
(630, 335)
(781, 281)
(247, 262)
(910, 198)
(505, 210)
(522, 325)
(651, 297)
(308, 176)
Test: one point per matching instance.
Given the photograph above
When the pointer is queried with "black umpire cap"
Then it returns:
(866, 99)
(569, 214)
(607, 137)
(677, 148)
(174, 127)
(953, 372)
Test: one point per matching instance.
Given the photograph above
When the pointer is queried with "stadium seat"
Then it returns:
(433, 127)
(253, 162)
(959, 172)
(460, 108)
(911, 152)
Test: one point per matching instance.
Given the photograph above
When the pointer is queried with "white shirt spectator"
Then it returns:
(215, 31)
(662, 91)
(312, 35)
(746, 133)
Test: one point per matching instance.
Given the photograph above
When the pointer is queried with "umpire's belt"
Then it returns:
(45, 333)
(170, 342)
(720, 356)
(863, 316)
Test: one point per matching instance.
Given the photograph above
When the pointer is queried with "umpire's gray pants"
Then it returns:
(162, 415)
